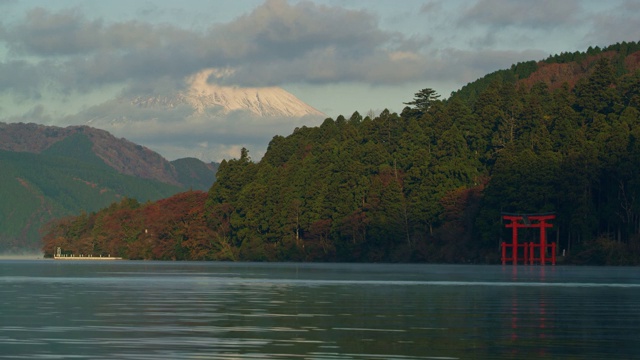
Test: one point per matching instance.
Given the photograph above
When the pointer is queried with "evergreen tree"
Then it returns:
(424, 99)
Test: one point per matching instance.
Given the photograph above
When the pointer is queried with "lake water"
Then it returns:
(190, 310)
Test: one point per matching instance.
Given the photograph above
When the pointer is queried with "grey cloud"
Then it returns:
(632, 6)
(104, 53)
(431, 7)
(608, 28)
(279, 43)
(68, 33)
(521, 13)
(43, 33)
(22, 79)
(179, 132)
(466, 66)
(304, 42)
(158, 86)
(37, 114)
(279, 30)
(149, 9)
(328, 65)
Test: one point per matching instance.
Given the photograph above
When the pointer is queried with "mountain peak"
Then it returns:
(262, 101)
(202, 96)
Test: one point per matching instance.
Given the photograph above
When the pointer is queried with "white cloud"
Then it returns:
(208, 138)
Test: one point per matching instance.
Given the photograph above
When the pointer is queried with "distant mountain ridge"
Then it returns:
(122, 155)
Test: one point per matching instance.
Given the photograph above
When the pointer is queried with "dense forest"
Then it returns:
(426, 185)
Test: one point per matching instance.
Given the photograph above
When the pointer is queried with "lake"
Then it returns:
(195, 310)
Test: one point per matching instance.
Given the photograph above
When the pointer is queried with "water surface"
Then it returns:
(186, 310)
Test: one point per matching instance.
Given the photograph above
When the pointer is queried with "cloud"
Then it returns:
(36, 114)
(622, 23)
(522, 13)
(282, 43)
(176, 129)
(274, 44)
(180, 133)
(70, 53)
(519, 23)
(46, 34)
(278, 30)
(465, 66)
(431, 7)
(21, 79)
(68, 33)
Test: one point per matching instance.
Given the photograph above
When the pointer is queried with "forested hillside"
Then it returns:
(428, 184)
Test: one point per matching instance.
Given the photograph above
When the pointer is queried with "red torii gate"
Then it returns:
(526, 221)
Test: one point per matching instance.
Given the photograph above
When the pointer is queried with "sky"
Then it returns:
(62, 59)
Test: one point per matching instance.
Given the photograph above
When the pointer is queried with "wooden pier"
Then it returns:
(73, 257)
(60, 256)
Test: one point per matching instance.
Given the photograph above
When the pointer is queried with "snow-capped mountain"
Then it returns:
(203, 118)
(203, 96)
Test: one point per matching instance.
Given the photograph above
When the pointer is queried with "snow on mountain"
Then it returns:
(203, 96)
